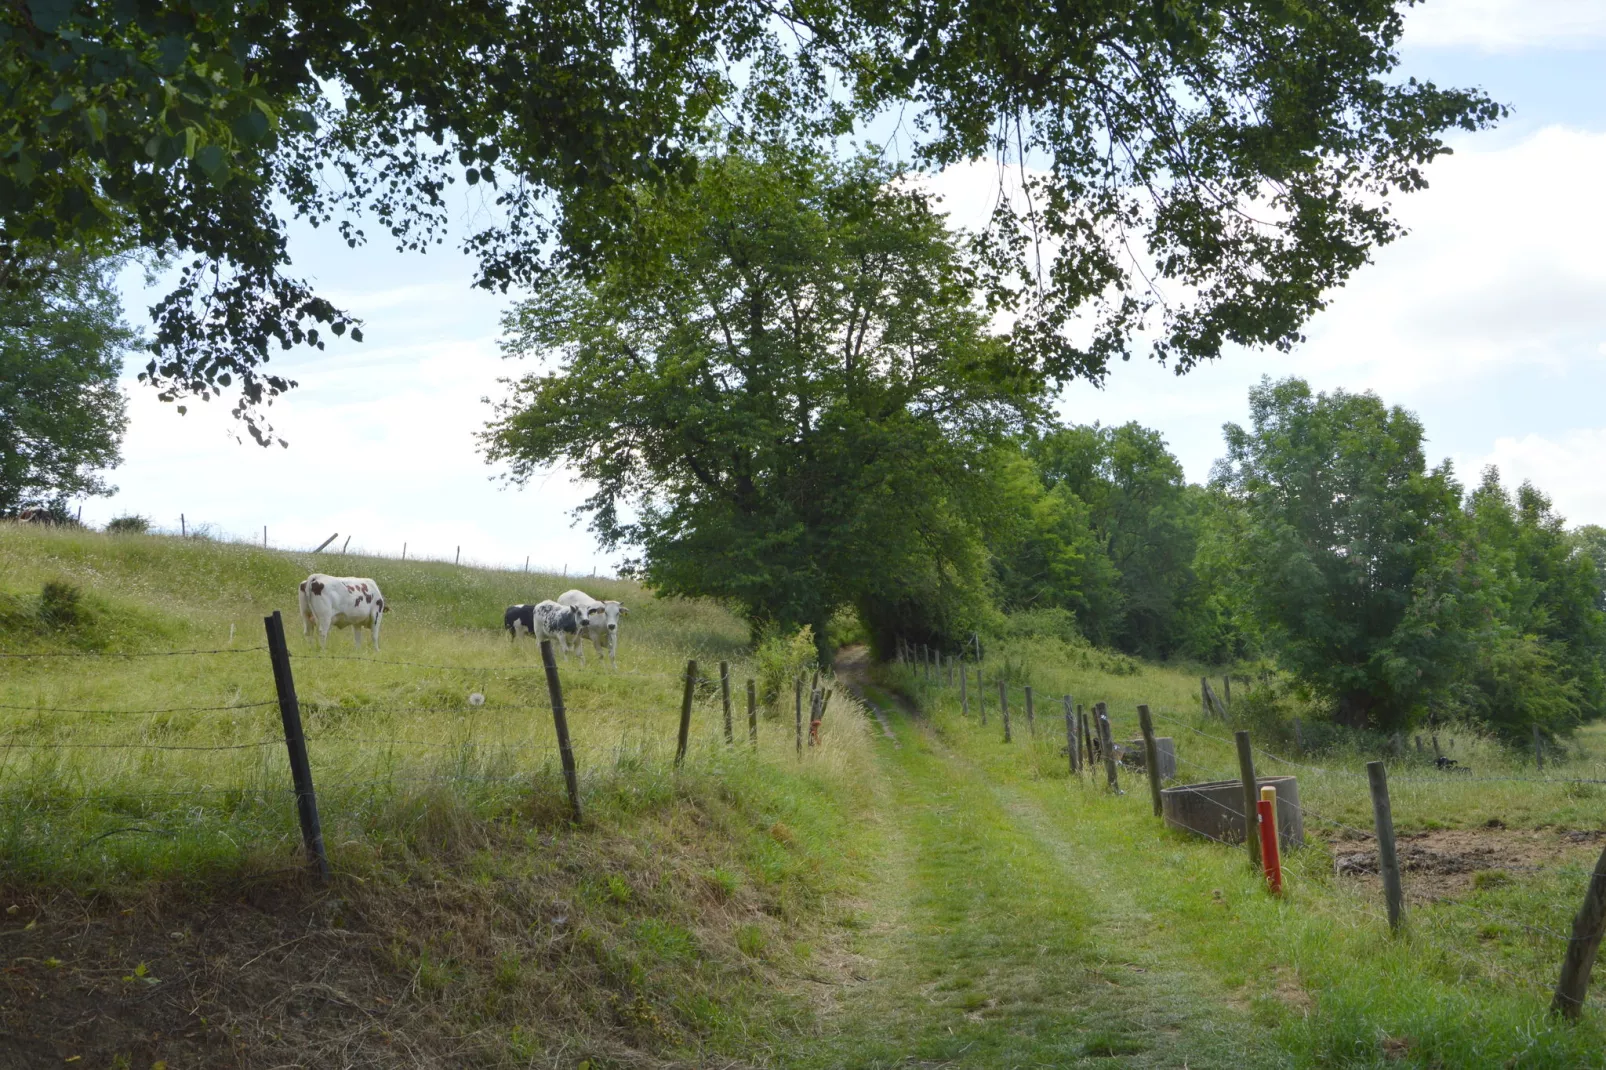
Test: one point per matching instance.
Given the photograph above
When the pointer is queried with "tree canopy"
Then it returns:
(1215, 167)
(62, 415)
(780, 401)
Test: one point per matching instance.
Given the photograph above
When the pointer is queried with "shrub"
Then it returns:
(780, 659)
(61, 607)
(128, 525)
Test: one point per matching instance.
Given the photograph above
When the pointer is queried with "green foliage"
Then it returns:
(62, 342)
(779, 659)
(1358, 551)
(132, 524)
(208, 130)
(787, 393)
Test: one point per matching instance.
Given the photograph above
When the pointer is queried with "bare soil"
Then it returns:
(1443, 863)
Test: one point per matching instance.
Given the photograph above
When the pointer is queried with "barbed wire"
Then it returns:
(142, 746)
(142, 654)
(141, 713)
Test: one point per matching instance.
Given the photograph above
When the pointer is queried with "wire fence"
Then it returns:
(1441, 920)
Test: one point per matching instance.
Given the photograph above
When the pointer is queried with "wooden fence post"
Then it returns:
(797, 699)
(725, 699)
(1151, 756)
(1226, 689)
(560, 724)
(1106, 744)
(1087, 735)
(685, 712)
(1072, 744)
(964, 692)
(1204, 696)
(1031, 715)
(1388, 863)
(1003, 705)
(1246, 770)
(1588, 925)
(1299, 736)
(295, 742)
(752, 711)
(981, 695)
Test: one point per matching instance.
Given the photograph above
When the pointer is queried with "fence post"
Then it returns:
(685, 712)
(1539, 749)
(1226, 689)
(1072, 744)
(1003, 705)
(560, 723)
(1299, 736)
(1031, 715)
(1151, 756)
(964, 691)
(1087, 735)
(295, 742)
(1107, 744)
(1388, 863)
(798, 701)
(752, 711)
(1266, 812)
(1246, 770)
(1204, 696)
(1588, 925)
(725, 699)
(981, 695)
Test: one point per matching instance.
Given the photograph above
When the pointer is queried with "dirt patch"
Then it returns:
(1446, 863)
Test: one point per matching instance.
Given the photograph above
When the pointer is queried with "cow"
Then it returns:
(547, 620)
(343, 601)
(601, 621)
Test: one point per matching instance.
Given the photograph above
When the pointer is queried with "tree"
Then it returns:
(1139, 505)
(791, 388)
(1540, 654)
(1247, 150)
(62, 415)
(1359, 553)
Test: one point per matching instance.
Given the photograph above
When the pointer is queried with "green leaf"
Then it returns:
(213, 161)
(48, 15)
(171, 52)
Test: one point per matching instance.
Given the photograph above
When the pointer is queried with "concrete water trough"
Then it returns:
(1216, 809)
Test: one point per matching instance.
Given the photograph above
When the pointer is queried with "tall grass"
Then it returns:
(110, 765)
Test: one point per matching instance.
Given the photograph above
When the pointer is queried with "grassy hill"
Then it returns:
(158, 906)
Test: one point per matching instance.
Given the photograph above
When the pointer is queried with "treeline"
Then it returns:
(1323, 543)
(794, 400)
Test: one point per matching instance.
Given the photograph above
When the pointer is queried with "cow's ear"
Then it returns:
(623, 611)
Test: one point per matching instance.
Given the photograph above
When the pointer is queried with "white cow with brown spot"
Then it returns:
(341, 601)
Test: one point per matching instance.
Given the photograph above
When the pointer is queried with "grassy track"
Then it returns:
(1000, 942)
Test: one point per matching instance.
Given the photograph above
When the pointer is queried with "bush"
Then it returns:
(128, 525)
(780, 659)
(61, 607)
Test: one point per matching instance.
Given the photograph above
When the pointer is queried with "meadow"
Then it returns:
(1497, 855)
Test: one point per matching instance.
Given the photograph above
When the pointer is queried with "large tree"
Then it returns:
(62, 344)
(782, 400)
(1212, 168)
(1359, 553)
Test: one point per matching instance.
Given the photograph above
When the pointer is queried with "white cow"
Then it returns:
(343, 601)
(601, 621)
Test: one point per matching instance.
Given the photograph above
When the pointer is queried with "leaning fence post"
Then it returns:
(798, 703)
(725, 699)
(560, 724)
(752, 711)
(1151, 756)
(1087, 736)
(1388, 863)
(1003, 705)
(1107, 744)
(1246, 770)
(1031, 715)
(295, 742)
(685, 712)
(1588, 925)
(964, 691)
(1071, 743)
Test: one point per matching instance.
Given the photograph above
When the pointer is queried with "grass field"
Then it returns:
(1497, 862)
(947, 899)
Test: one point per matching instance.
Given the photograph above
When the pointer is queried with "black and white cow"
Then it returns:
(547, 620)
(341, 601)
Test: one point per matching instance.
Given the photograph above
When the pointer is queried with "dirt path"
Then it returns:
(998, 943)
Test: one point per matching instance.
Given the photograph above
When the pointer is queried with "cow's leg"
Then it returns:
(356, 633)
(323, 631)
(373, 628)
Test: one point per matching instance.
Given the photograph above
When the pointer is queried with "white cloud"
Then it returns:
(1506, 25)
(1567, 467)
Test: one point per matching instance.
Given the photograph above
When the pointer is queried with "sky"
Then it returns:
(1488, 320)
